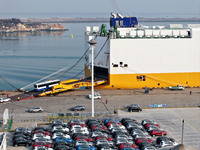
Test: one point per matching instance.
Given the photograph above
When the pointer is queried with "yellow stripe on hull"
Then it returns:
(155, 80)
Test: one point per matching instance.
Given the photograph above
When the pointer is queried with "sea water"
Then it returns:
(26, 57)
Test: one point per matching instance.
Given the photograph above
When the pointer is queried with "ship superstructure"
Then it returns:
(130, 55)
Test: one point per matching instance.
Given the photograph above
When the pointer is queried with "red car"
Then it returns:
(139, 140)
(149, 124)
(43, 132)
(122, 145)
(158, 132)
(82, 125)
(84, 138)
(45, 144)
(104, 137)
(112, 122)
(98, 126)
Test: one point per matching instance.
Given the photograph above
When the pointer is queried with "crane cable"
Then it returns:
(8, 82)
(94, 59)
(58, 71)
(75, 63)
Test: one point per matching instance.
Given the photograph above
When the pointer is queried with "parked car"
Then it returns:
(4, 99)
(60, 128)
(35, 110)
(78, 108)
(85, 147)
(166, 141)
(42, 131)
(21, 135)
(96, 96)
(23, 130)
(139, 140)
(134, 107)
(89, 139)
(158, 132)
(64, 143)
(42, 148)
(44, 144)
(148, 147)
(60, 134)
(40, 135)
(22, 141)
(150, 128)
(63, 139)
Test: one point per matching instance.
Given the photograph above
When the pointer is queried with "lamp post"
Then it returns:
(182, 131)
(92, 44)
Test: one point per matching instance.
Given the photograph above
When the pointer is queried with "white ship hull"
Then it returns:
(137, 62)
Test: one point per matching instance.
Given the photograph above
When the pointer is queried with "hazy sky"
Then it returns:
(80, 7)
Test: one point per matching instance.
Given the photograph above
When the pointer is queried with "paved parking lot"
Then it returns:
(170, 120)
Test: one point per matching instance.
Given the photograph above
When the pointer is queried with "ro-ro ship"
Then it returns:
(129, 55)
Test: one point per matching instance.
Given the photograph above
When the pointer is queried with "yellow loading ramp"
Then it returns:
(71, 85)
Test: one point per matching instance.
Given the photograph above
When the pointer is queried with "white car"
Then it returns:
(110, 127)
(122, 140)
(135, 132)
(77, 127)
(83, 142)
(149, 128)
(96, 96)
(42, 148)
(4, 99)
(61, 128)
(168, 143)
(95, 134)
(40, 135)
(124, 136)
(101, 142)
(43, 140)
(60, 134)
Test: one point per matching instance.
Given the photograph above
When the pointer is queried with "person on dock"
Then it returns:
(106, 101)
(18, 98)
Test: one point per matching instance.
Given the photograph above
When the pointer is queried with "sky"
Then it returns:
(100, 8)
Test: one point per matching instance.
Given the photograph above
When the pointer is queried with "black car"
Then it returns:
(22, 141)
(62, 143)
(134, 107)
(58, 123)
(62, 147)
(78, 108)
(21, 135)
(142, 144)
(123, 120)
(106, 146)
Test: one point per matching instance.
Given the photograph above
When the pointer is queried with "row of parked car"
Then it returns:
(93, 134)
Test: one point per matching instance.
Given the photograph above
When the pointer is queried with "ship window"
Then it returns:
(115, 65)
(125, 65)
(117, 23)
(141, 78)
(121, 22)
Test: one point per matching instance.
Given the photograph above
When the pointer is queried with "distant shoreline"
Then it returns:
(71, 20)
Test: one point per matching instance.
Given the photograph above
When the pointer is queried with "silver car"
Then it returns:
(35, 109)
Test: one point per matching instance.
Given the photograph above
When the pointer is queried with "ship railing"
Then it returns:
(135, 34)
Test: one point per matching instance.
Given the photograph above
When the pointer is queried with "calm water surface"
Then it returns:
(26, 57)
